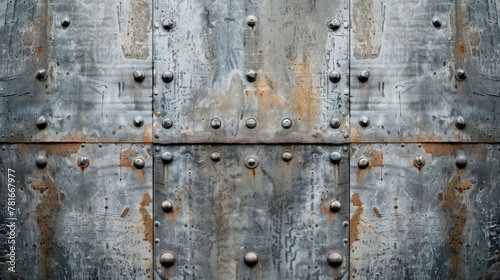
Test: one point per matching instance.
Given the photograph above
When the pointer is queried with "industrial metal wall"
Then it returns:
(237, 139)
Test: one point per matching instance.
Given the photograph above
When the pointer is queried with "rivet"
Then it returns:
(157, 240)
(157, 148)
(156, 135)
(334, 259)
(286, 123)
(346, 135)
(215, 156)
(167, 259)
(334, 76)
(460, 74)
(139, 75)
(363, 163)
(139, 163)
(251, 161)
(251, 75)
(138, 121)
(419, 161)
(251, 259)
(215, 123)
(335, 123)
(345, 240)
(334, 24)
(251, 123)
(41, 122)
(364, 121)
(65, 22)
(83, 161)
(461, 123)
(461, 162)
(345, 224)
(157, 223)
(363, 76)
(41, 74)
(167, 206)
(167, 76)
(345, 148)
(251, 20)
(167, 123)
(335, 157)
(167, 157)
(287, 156)
(41, 162)
(335, 206)
(168, 24)
(436, 22)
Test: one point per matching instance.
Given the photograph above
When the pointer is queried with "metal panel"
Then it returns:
(417, 214)
(89, 92)
(76, 218)
(414, 51)
(221, 210)
(208, 47)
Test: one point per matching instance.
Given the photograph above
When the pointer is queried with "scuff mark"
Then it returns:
(355, 218)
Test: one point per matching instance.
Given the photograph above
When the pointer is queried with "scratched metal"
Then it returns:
(412, 94)
(77, 222)
(211, 47)
(434, 221)
(222, 210)
(90, 94)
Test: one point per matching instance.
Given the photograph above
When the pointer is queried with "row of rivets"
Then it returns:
(84, 161)
(460, 123)
(364, 75)
(460, 162)
(216, 123)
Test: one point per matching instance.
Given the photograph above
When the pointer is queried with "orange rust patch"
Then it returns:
(146, 200)
(54, 149)
(356, 199)
(148, 224)
(355, 218)
(461, 51)
(419, 167)
(377, 212)
(354, 134)
(376, 159)
(147, 137)
(127, 160)
(39, 52)
(305, 95)
(434, 149)
(125, 212)
(325, 209)
(174, 213)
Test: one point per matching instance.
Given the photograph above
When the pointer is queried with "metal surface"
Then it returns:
(224, 210)
(267, 60)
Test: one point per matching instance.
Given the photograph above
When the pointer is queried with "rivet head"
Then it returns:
(83, 161)
(167, 157)
(460, 123)
(460, 74)
(167, 259)
(461, 162)
(167, 206)
(138, 121)
(335, 123)
(334, 24)
(363, 76)
(167, 76)
(251, 123)
(41, 74)
(168, 24)
(335, 206)
(139, 163)
(251, 20)
(215, 156)
(436, 22)
(216, 123)
(251, 75)
(364, 121)
(65, 22)
(167, 123)
(251, 161)
(363, 163)
(334, 76)
(286, 123)
(419, 161)
(139, 75)
(335, 157)
(157, 148)
(334, 259)
(287, 156)
(41, 162)
(251, 259)
(41, 122)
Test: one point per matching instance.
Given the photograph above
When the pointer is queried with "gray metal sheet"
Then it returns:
(90, 94)
(435, 221)
(412, 94)
(77, 222)
(209, 50)
(222, 210)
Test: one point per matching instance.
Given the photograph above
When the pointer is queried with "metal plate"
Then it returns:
(222, 210)
(75, 220)
(412, 94)
(431, 221)
(89, 93)
(209, 48)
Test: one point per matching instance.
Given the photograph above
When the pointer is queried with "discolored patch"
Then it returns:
(366, 30)
(355, 218)
(134, 23)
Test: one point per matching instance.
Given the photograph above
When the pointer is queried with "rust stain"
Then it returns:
(355, 138)
(325, 209)
(125, 212)
(377, 212)
(435, 149)
(39, 52)
(305, 96)
(54, 149)
(147, 137)
(127, 160)
(148, 225)
(313, 213)
(461, 51)
(172, 214)
(146, 199)
(355, 218)
(376, 159)
(419, 167)
(475, 39)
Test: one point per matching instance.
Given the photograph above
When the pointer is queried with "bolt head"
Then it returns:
(216, 123)
(83, 161)
(363, 76)
(167, 123)
(251, 21)
(167, 206)
(461, 162)
(215, 156)
(251, 259)
(139, 163)
(460, 74)
(138, 121)
(363, 163)
(168, 24)
(139, 75)
(334, 24)
(364, 121)
(65, 22)
(41, 122)
(460, 123)
(251, 123)
(334, 259)
(41, 74)
(335, 123)
(167, 76)
(286, 123)
(251, 75)
(335, 206)
(436, 22)
(335, 157)
(251, 161)
(41, 162)
(419, 161)
(287, 156)
(167, 157)
(167, 259)
(334, 76)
